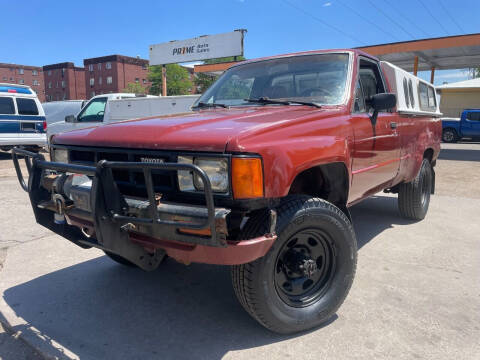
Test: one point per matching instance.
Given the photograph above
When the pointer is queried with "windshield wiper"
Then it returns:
(266, 100)
(202, 104)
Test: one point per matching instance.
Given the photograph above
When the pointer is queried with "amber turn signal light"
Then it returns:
(247, 178)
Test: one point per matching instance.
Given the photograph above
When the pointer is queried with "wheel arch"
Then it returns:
(329, 181)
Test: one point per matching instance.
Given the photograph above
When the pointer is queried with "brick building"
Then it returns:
(64, 81)
(111, 74)
(24, 75)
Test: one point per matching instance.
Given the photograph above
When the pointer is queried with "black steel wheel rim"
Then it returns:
(304, 267)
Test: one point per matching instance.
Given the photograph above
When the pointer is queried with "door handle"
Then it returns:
(393, 125)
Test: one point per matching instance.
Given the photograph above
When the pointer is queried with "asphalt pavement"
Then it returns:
(416, 294)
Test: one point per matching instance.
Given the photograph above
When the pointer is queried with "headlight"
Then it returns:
(216, 170)
(60, 155)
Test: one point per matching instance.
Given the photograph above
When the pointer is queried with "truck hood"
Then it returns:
(207, 130)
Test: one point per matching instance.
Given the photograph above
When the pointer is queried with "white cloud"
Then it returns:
(327, 4)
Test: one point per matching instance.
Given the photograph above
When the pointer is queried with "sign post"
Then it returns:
(199, 48)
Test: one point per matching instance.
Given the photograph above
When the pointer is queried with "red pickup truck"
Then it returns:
(259, 175)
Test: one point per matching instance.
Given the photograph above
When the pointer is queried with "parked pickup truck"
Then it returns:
(468, 126)
(259, 176)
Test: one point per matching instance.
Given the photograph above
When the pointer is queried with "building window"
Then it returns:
(11, 79)
(56, 85)
(144, 81)
(92, 94)
(34, 72)
(137, 80)
(21, 81)
(144, 66)
(5, 78)
(35, 83)
(49, 72)
(49, 84)
(63, 72)
(108, 65)
(90, 67)
(100, 80)
(92, 81)
(99, 66)
(20, 71)
(63, 84)
(109, 80)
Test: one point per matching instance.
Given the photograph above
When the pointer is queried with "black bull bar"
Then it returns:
(109, 207)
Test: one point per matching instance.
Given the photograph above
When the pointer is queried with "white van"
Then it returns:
(22, 120)
(103, 109)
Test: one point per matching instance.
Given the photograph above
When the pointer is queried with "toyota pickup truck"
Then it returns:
(260, 175)
(468, 126)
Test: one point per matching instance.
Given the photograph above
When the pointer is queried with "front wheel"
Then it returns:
(449, 136)
(306, 275)
(414, 196)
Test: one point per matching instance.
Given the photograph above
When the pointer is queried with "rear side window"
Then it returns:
(6, 106)
(410, 89)
(473, 116)
(405, 91)
(26, 106)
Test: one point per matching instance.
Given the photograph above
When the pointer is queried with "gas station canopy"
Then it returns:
(451, 52)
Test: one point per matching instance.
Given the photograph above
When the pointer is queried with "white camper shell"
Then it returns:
(414, 95)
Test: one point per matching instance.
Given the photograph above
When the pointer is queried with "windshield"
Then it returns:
(314, 78)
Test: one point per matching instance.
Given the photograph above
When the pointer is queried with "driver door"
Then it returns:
(92, 113)
(376, 153)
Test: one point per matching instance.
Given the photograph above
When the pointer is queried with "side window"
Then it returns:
(473, 116)
(6, 106)
(371, 79)
(410, 90)
(359, 105)
(423, 95)
(432, 101)
(405, 91)
(26, 106)
(94, 111)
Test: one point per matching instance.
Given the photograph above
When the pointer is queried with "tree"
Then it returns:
(203, 81)
(474, 72)
(135, 88)
(178, 80)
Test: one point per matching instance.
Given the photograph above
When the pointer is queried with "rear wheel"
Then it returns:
(449, 135)
(306, 275)
(414, 196)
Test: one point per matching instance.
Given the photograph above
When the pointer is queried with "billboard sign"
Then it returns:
(199, 48)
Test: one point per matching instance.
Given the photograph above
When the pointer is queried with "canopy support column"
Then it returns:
(432, 74)
(415, 65)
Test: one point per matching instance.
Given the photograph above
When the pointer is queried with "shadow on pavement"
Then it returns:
(5, 156)
(460, 154)
(98, 309)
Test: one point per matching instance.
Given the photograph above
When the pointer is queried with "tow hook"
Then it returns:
(59, 215)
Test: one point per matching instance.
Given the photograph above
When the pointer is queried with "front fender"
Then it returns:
(283, 160)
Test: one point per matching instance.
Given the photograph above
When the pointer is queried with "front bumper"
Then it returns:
(137, 229)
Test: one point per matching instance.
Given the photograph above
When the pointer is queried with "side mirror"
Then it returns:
(70, 119)
(379, 102)
(384, 101)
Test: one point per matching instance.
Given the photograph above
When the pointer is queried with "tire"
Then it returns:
(449, 135)
(278, 305)
(414, 196)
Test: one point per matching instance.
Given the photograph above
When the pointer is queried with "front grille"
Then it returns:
(130, 182)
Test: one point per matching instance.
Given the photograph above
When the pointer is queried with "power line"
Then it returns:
(433, 17)
(408, 19)
(323, 22)
(451, 17)
(367, 20)
(392, 20)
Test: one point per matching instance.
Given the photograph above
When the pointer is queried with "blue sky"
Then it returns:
(49, 31)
